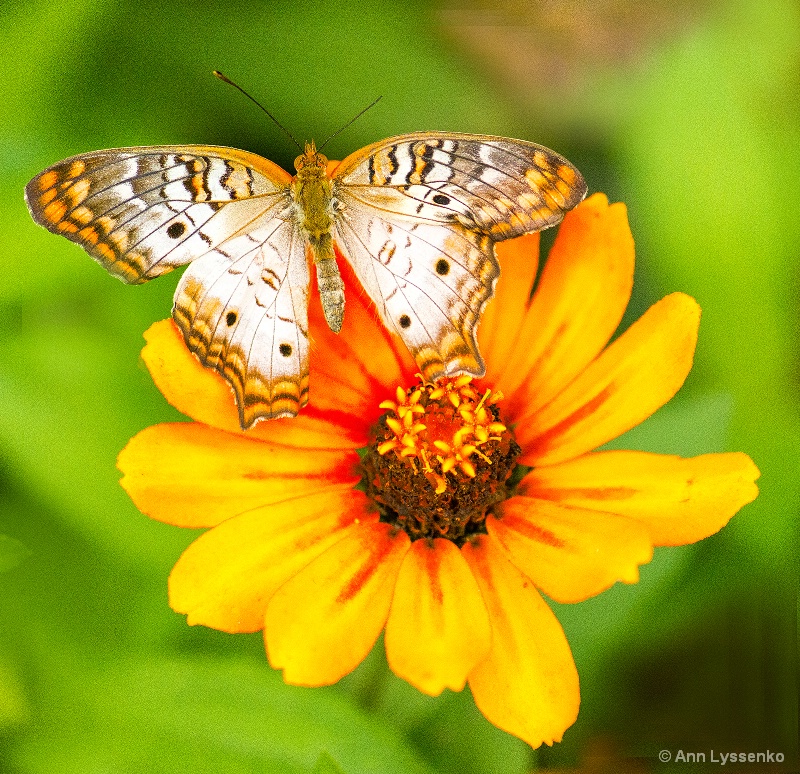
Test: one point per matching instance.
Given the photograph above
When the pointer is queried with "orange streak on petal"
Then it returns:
(438, 628)
(527, 684)
(205, 396)
(633, 377)
(570, 553)
(226, 577)
(362, 364)
(500, 321)
(678, 500)
(192, 475)
(322, 622)
(581, 297)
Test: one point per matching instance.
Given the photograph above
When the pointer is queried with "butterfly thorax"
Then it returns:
(313, 196)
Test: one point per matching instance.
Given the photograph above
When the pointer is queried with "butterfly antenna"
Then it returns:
(253, 99)
(352, 120)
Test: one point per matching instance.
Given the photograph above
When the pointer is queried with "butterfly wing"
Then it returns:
(242, 305)
(420, 214)
(140, 212)
(243, 310)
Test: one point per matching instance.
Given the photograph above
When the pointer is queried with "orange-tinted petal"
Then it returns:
(323, 622)
(527, 684)
(192, 475)
(205, 396)
(500, 321)
(357, 368)
(634, 376)
(438, 628)
(570, 553)
(579, 302)
(226, 577)
(678, 500)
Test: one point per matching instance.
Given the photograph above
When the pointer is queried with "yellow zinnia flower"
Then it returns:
(390, 503)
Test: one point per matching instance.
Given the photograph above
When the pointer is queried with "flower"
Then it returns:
(442, 512)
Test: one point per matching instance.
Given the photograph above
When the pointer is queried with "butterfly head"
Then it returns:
(310, 158)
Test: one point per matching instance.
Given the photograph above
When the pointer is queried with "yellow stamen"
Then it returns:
(456, 421)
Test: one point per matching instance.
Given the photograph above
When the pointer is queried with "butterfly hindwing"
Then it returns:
(243, 311)
(429, 284)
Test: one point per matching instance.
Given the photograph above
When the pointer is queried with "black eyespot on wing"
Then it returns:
(405, 321)
(441, 199)
(442, 267)
(176, 230)
(285, 349)
(230, 318)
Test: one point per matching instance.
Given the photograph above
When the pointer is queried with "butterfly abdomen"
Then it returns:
(331, 287)
(313, 196)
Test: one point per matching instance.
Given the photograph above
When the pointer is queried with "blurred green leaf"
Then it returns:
(326, 765)
(14, 706)
(208, 716)
(12, 553)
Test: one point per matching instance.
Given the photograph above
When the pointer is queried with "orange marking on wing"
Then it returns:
(528, 201)
(563, 189)
(79, 192)
(90, 235)
(67, 226)
(536, 179)
(105, 251)
(551, 200)
(55, 211)
(541, 160)
(105, 223)
(78, 168)
(83, 215)
(197, 184)
(119, 239)
(47, 197)
(567, 174)
(48, 180)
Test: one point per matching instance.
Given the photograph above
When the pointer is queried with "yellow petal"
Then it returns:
(205, 396)
(226, 577)
(192, 475)
(679, 500)
(579, 302)
(570, 553)
(527, 684)
(323, 622)
(637, 374)
(500, 321)
(438, 628)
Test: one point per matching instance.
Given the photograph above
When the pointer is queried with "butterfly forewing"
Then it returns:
(141, 212)
(495, 185)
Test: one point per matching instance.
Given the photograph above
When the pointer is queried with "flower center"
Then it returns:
(440, 459)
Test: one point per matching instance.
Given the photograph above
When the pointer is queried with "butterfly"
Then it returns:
(416, 216)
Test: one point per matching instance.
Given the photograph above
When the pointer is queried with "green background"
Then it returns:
(687, 112)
